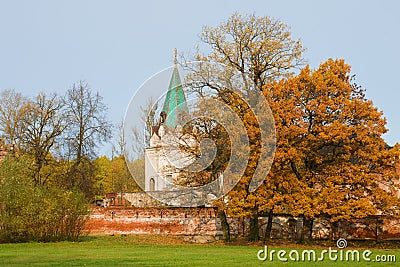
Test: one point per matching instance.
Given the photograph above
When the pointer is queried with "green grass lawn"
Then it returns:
(134, 251)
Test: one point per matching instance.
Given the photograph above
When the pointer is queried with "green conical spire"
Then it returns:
(175, 102)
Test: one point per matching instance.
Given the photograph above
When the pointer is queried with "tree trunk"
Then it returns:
(224, 225)
(254, 232)
(307, 228)
(268, 229)
(310, 225)
(335, 230)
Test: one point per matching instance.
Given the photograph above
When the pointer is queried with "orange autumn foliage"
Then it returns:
(331, 158)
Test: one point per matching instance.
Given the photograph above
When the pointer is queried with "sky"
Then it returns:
(46, 46)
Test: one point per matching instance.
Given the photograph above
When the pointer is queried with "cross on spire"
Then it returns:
(175, 57)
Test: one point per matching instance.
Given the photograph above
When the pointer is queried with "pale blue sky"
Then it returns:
(116, 45)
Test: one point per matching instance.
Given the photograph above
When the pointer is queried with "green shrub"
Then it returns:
(37, 213)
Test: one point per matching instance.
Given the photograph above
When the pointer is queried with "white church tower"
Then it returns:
(159, 172)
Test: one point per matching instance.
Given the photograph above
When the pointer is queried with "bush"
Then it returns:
(37, 213)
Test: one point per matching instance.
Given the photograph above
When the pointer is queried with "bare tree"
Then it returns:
(141, 135)
(260, 48)
(11, 103)
(118, 143)
(88, 127)
(41, 123)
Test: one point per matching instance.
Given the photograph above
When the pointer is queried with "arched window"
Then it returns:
(152, 185)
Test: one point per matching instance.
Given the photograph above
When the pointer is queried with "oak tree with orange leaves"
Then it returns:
(261, 50)
(331, 158)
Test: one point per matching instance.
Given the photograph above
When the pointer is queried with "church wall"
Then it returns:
(152, 163)
(205, 222)
(175, 221)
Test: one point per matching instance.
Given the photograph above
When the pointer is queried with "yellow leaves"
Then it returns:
(329, 148)
(332, 142)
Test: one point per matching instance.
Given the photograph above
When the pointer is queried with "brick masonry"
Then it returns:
(175, 221)
(205, 222)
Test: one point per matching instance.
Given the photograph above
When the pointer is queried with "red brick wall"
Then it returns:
(204, 222)
(176, 221)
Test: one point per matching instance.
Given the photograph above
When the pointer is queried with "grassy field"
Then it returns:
(147, 251)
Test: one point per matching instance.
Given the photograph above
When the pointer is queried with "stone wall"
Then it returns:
(175, 221)
(373, 227)
(205, 222)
